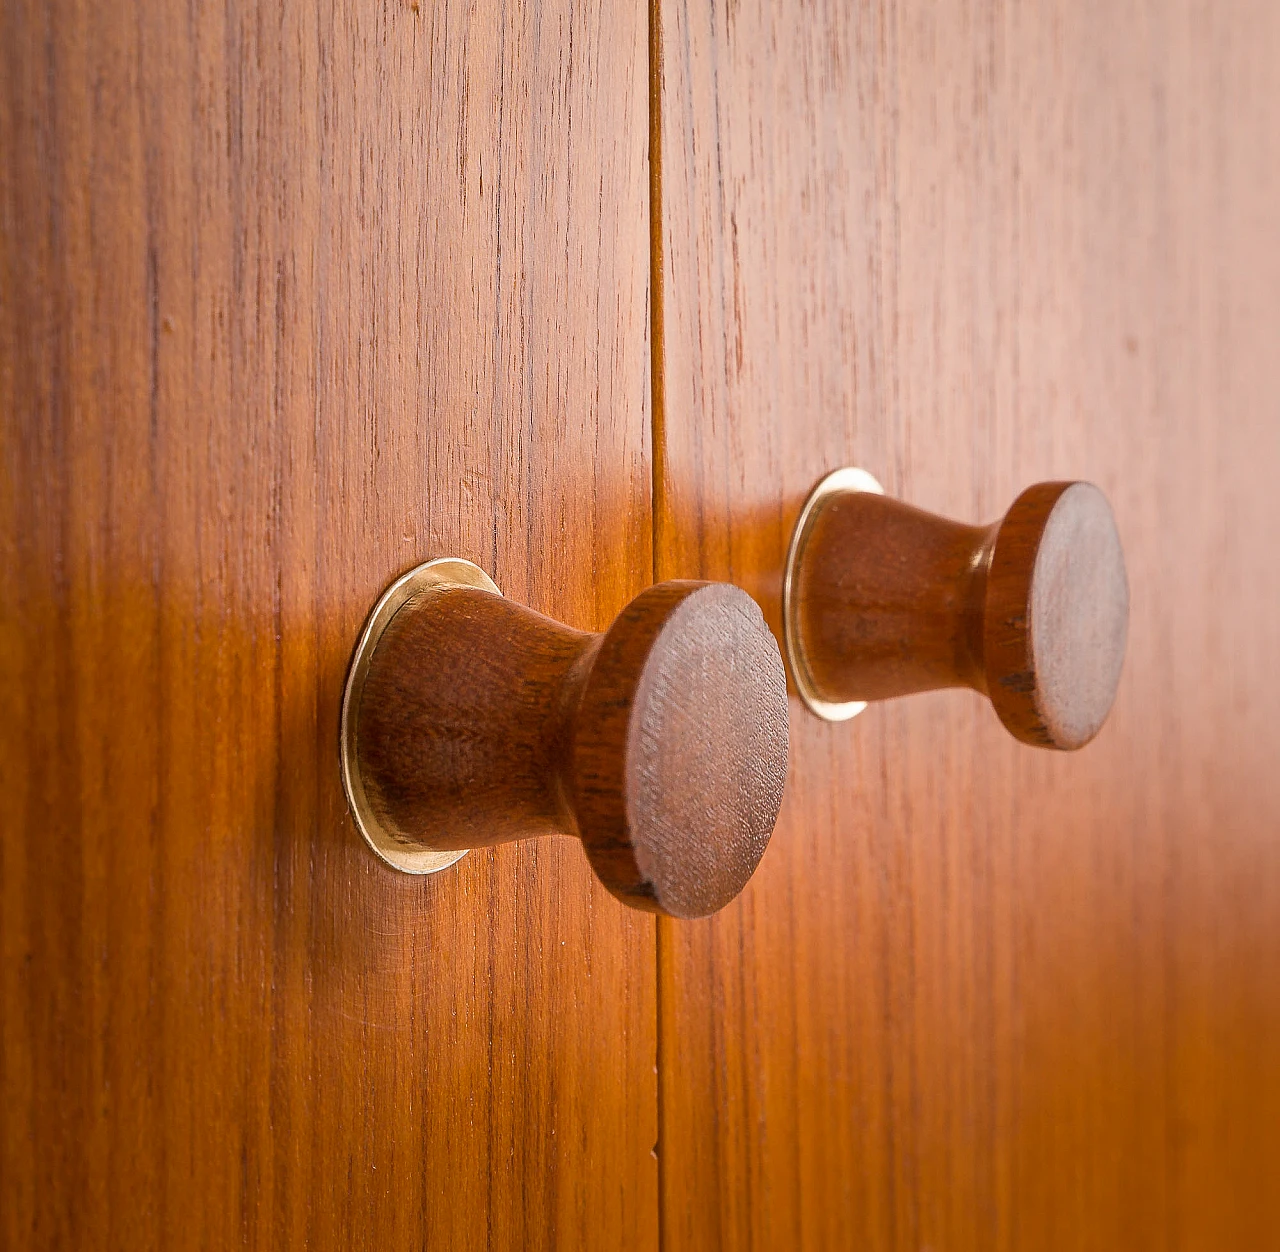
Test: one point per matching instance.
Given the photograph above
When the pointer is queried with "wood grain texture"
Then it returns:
(680, 748)
(1031, 611)
(660, 743)
(291, 300)
(1056, 617)
(464, 728)
(979, 996)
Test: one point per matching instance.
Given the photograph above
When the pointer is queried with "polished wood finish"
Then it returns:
(977, 996)
(661, 744)
(1031, 611)
(289, 300)
(292, 298)
(688, 704)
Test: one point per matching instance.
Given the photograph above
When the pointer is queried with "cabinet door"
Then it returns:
(977, 995)
(293, 299)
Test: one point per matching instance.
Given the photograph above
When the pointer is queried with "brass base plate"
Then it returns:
(838, 482)
(390, 846)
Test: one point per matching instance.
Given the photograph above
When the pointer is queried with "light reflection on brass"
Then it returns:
(836, 483)
(415, 585)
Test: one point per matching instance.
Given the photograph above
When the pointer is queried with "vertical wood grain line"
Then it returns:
(657, 463)
(658, 418)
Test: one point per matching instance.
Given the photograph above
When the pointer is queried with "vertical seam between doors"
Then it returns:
(657, 461)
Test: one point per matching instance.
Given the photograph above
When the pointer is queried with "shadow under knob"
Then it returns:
(881, 600)
(662, 744)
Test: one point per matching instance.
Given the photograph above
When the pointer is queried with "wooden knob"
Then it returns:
(881, 599)
(470, 721)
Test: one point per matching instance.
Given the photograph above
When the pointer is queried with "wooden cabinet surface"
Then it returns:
(295, 298)
(980, 996)
(291, 300)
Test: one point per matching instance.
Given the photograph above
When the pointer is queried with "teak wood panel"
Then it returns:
(979, 995)
(292, 299)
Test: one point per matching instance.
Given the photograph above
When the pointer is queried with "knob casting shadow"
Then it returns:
(881, 599)
(470, 721)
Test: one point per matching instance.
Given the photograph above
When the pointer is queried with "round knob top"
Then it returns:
(1057, 612)
(680, 748)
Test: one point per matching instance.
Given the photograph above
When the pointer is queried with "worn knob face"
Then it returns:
(1057, 615)
(662, 744)
(882, 599)
(682, 728)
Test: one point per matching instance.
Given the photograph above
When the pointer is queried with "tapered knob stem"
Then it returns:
(662, 744)
(882, 600)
